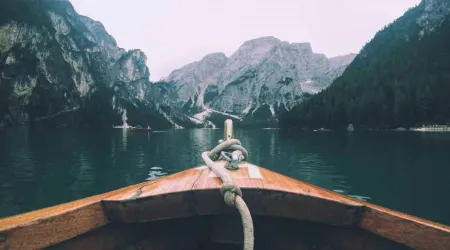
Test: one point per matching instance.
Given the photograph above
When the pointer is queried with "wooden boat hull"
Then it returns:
(186, 211)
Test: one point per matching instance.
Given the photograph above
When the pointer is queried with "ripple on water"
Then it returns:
(360, 197)
(155, 173)
(310, 167)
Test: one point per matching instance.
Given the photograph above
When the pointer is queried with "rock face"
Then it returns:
(192, 80)
(434, 13)
(263, 77)
(62, 68)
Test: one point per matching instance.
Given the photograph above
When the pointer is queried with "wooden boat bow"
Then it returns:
(114, 219)
(195, 192)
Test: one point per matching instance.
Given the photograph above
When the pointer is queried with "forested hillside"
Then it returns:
(400, 78)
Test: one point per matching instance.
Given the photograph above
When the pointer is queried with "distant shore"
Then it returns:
(432, 128)
(423, 128)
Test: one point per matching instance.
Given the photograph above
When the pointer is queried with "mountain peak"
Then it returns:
(264, 75)
(218, 56)
(264, 39)
(303, 47)
(215, 54)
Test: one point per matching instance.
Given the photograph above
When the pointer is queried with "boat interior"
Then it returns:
(225, 232)
(201, 220)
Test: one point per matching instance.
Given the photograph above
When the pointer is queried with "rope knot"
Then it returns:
(230, 187)
(229, 192)
(232, 151)
(230, 198)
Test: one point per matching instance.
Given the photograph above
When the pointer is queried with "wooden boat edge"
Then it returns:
(16, 226)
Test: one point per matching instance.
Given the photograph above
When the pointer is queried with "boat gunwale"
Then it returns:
(369, 211)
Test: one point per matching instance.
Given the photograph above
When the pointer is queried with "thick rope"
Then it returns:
(232, 194)
(233, 144)
(247, 222)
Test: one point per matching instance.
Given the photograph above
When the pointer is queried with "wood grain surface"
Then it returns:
(196, 192)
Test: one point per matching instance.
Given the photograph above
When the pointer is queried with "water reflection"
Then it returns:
(124, 139)
(404, 171)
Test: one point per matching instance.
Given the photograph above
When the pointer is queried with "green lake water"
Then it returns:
(405, 171)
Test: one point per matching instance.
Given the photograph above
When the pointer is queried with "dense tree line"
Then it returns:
(400, 78)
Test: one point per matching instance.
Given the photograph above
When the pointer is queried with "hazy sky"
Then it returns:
(173, 33)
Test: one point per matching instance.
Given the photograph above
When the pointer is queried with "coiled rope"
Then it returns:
(232, 194)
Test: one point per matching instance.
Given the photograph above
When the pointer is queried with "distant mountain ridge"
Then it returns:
(264, 77)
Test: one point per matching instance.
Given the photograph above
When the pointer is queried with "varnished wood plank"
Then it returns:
(413, 232)
(210, 202)
(372, 218)
(300, 207)
(249, 183)
(272, 181)
(379, 209)
(204, 181)
(275, 181)
(132, 193)
(30, 217)
(51, 230)
(241, 178)
(179, 182)
(52, 225)
(166, 206)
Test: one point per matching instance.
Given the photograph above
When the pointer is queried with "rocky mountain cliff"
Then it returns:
(63, 69)
(264, 77)
(401, 78)
(59, 68)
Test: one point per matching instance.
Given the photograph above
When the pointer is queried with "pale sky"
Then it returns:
(173, 33)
